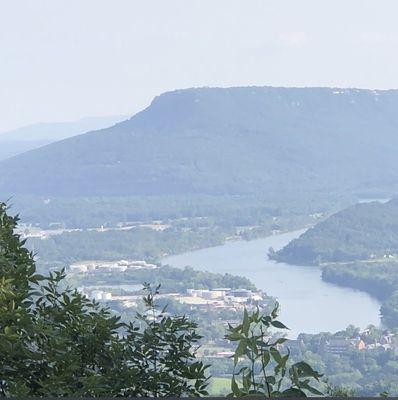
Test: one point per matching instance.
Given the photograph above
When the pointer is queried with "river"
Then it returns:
(308, 304)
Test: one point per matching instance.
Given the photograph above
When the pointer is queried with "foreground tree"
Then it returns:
(56, 342)
(162, 349)
(260, 369)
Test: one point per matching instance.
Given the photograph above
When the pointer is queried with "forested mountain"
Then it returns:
(34, 136)
(261, 140)
(361, 232)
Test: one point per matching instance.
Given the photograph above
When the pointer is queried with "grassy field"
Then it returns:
(219, 386)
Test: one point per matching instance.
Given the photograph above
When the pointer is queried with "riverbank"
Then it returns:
(308, 304)
(148, 242)
(379, 279)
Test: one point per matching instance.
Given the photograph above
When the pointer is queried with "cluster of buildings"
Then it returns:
(28, 231)
(224, 293)
(109, 266)
(58, 228)
(219, 298)
(342, 345)
(100, 295)
(111, 294)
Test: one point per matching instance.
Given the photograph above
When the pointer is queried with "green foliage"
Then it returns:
(358, 248)
(172, 279)
(360, 232)
(339, 391)
(202, 210)
(162, 348)
(137, 243)
(376, 278)
(366, 372)
(259, 366)
(56, 342)
(193, 222)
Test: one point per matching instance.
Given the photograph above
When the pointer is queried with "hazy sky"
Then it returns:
(66, 59)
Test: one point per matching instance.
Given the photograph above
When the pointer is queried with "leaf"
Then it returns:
(251, 344)
(8, 330)
(233, 336)
(305, 370)
(235, 388)
(266, 358)
(246, 322)
(275, 311)
(246, 381)
(240, 350)
(276, 355)
(311, 389)
(279, 325)
(256, 315)
(271, 380)
(293, 392)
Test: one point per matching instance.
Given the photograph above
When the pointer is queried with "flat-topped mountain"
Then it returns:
(366, 231)
(249, 140)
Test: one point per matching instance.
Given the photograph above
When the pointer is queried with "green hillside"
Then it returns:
(361, 232)
(239, 141)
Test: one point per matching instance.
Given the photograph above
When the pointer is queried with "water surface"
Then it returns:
(307, 303)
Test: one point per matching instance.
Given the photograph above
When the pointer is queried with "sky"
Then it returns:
(62, 60)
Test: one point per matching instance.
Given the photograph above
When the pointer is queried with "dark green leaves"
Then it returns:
(279, 325)
(56, 342)
(161, 354)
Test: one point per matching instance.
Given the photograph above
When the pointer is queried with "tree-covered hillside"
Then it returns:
(250, 140)
(378, 279)
(137, 243)
(361, 232)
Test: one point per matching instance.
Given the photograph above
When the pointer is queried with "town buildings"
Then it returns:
(109, 266)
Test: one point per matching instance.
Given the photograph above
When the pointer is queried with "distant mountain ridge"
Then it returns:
(362, 232)
(248, 140)
(34, 136)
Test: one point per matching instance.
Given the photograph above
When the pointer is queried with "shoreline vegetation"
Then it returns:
(150, 242)
(362, 232)
(356, 248)
(186, 236)
(154, 240)
(375, 278)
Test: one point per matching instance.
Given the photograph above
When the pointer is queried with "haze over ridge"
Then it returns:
(243, 140)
